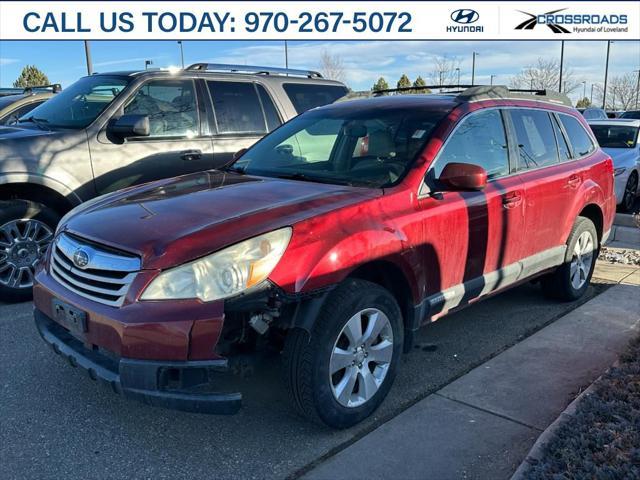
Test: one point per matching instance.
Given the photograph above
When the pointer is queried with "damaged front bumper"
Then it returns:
(178, 385)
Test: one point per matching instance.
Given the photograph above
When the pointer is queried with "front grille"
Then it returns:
(91, 271)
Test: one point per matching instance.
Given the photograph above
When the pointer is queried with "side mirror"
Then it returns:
(133, 125)
(463, 176)
(239, 153)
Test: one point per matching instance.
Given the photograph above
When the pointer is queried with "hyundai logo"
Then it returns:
(80, 258)
(465, 15)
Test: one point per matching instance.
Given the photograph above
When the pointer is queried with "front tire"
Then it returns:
(341, 373)
(571, 279)
(26, 229)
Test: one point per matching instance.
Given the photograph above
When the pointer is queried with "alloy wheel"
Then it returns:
(581, 260)
(361, 357)
(630, 192)
(22, 243)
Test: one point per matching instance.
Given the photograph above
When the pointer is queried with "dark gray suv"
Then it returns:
(114, 130)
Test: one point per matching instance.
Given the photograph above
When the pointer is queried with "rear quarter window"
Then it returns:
(580, 140)
(305, 96)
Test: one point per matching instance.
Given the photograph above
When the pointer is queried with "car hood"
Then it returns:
(622, 156)
(14, 132)
(173, 221)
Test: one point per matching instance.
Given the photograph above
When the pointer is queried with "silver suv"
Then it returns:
(114, 130)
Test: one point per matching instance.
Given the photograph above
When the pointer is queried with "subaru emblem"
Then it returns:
(80, 258)
(465, 15)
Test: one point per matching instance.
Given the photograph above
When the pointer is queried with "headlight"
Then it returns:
(618, 171)
(224, 273)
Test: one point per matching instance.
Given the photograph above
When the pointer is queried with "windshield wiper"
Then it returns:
(39, 122)
(304, 177)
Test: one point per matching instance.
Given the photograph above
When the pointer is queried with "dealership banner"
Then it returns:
(319, 20)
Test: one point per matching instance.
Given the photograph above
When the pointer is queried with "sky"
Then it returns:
(364, 61)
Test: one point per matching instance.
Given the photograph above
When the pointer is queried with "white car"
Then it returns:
(619, 138)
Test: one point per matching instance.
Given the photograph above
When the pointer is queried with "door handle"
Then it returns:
(511, 200)
(574, 181)
(189, 155)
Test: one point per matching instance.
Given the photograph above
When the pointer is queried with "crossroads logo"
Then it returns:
(559, 22)
(464, 17)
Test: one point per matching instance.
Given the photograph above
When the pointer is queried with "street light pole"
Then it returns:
(491, 80)
(441, 72)
(637, 87)
(473, 68)
(591, 97)
(606, 74)
(181, 53)
(458, 71)
(87, 54)
(561, 64)
(584, 89)
(286, 55)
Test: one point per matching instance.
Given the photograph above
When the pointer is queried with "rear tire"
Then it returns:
(630, 192)
(26, 229)
(333, 379)
(571, 279)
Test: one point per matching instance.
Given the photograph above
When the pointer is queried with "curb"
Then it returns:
(535, 454)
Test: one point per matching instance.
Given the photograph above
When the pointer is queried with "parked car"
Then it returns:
(592, 113)
(18, 104)
(114, 130)
(633, 114)
(619, 139)
(333, 240)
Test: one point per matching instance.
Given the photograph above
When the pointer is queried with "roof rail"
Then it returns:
(422, 87)
(485, 92)
(252, 69)
(55, 88)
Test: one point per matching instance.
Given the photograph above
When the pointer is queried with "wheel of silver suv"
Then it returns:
(26, 230)
(342, 370)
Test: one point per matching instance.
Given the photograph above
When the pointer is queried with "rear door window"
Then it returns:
(535, 139)
(580, 140)
(237, 107)
(305, 96)
(270, 112)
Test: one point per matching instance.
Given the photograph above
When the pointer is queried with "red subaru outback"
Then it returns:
(334, 238)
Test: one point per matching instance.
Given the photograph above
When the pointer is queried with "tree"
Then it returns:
(622, 92)
(544, 75)
(404, 82)
(419, 82)
(31, 76)
(583, 103)
(381, 84)
(332, 67)
(445, 71)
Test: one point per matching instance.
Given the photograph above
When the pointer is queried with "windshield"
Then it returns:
(594, 114)
(364, 148)
(79, 105)
(615, 136)
(634, 114)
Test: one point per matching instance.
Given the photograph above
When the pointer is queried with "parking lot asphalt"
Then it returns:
(56, 423)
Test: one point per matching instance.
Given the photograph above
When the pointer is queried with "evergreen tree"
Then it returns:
(381, 84)
(31, 76)
(404, 82)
